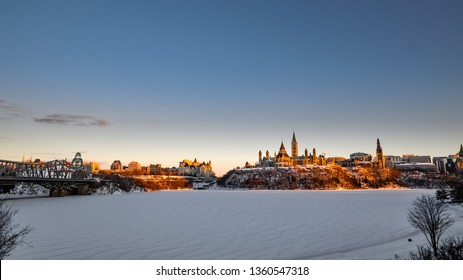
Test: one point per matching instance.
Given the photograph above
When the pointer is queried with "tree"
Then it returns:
(432, 218)
(442, 195)
(11, 235)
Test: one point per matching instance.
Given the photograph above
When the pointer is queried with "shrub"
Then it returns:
(450, 248)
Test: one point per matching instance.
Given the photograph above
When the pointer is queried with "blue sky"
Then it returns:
(161, 81)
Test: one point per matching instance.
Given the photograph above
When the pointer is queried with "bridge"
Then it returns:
(60, 176)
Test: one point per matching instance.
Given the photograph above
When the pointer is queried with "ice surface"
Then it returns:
(219, 224)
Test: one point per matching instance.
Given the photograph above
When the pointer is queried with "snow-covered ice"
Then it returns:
(220, 224)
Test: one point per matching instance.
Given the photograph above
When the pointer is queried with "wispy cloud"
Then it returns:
(9, 110)
(48, 155)
(4, 104)
(74, 120)
(154, 121)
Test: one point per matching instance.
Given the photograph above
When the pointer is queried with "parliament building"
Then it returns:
(283, 159)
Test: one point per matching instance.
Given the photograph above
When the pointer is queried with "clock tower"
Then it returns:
(294, 148)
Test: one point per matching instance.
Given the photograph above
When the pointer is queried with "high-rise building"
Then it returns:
(133, 165)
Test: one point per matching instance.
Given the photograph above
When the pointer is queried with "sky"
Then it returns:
(163, 81)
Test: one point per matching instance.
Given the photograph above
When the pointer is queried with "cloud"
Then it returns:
(3, 103)
(8, 110)
(74, 120)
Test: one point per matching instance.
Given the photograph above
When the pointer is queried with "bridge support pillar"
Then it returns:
(82, 189)
(57, 193)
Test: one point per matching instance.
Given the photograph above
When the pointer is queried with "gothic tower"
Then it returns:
(294, 148)
(267, 154)
(260, 156)
(379, 155)
(314, 156)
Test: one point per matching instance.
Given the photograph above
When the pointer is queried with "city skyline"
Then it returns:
(107, 165)
(163, 81)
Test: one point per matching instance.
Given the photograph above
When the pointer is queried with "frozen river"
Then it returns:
(223, 225)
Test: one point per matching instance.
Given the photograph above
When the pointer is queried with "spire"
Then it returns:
(379, 155)
(282, 146)
(23, 158)
(378, 146)
(461, 148)
(294, 136)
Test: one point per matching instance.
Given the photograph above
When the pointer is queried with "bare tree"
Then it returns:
(11, 235)
(432, 218)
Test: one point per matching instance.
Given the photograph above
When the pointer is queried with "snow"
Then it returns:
(24, 190)
(108, 189)
(219, 224)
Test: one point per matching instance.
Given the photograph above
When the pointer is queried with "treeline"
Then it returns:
(160, 171)
(128, 183)
(449, 186)
(314, 178)
(336, 177)
(170, 183)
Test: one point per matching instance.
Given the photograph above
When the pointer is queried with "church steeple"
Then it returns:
(294, 147)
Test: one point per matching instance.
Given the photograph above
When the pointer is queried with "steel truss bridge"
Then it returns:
(54, 175)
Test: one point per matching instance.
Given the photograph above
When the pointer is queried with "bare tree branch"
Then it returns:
(11, 235)
(432, 218)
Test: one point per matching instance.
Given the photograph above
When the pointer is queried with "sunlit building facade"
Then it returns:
(195, 168)
(283, 159)
(117, 165)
